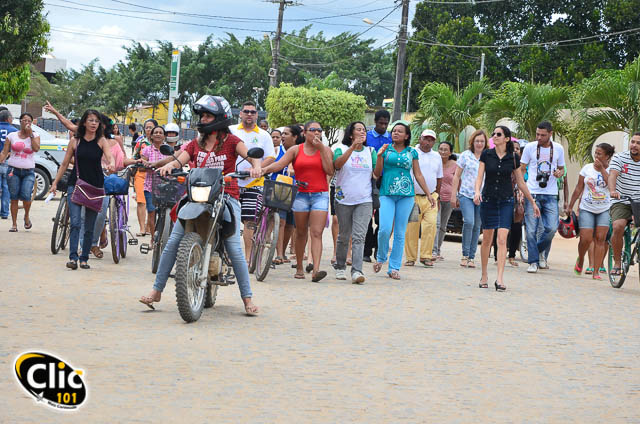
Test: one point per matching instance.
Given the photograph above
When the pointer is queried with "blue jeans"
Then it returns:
(75, 219)
(233, 245)
(100, 220)
(4, 187)
(471, 223)
(394, 215)
(21, 181)
(540, 231)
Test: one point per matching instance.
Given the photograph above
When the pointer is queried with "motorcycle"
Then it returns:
(202, 264)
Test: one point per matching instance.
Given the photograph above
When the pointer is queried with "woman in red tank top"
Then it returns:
(313, 164)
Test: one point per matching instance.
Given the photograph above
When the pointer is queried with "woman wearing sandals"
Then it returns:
(397, 192)
(595, 201)
(354, 166)
(496, 200)
(312, 163)
(88, 147)
(464, 185)
(21, 146)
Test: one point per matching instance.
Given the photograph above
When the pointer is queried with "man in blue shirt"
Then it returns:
(376, 138)
(379, 135)
(5, 129)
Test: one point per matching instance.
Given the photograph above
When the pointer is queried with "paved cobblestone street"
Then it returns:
(432, 347)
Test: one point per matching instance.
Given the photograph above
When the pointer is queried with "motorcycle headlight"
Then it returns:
(200, 194)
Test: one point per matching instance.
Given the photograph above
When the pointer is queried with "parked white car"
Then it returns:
(46, 169)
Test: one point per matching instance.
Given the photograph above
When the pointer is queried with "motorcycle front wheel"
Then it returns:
(190, 297)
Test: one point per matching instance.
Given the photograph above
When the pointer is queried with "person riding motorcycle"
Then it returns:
(173, 136)
(215, 147)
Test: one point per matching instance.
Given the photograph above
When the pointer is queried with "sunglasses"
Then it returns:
(249, 112)
(497, 134)
(315, 129)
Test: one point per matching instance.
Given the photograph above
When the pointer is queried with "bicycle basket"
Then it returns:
(166, 193)
(64, 181)
(115, 184)
(279, 195)
(635, 210)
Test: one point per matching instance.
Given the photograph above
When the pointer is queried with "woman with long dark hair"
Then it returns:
(446, 194)
(496, 199)
(397, 194)
(88, 147)
(353, 203)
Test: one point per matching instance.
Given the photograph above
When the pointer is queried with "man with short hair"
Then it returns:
(624, 181)
(133, 132)
(251, 189)
(376, 138)
(430, 164)
(6, 128)
(544, 161)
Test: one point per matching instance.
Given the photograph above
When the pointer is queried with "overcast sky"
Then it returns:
(82, 31)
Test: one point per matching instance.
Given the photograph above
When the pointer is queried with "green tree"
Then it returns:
(14, 84)
(447, 110)
(527, 105)
(333, 109)
(608, 101)
(23, 33)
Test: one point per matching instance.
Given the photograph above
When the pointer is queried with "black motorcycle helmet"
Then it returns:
(217, 106)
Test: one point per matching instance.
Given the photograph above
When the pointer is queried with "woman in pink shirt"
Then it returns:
(20, 147)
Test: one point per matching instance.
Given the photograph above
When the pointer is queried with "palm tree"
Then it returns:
(527, 104)
(608, 101)
(450, 111)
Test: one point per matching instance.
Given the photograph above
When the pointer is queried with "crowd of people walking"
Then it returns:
(387, 197)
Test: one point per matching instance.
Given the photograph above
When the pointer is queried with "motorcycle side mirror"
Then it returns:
(166, 150)
(255, 153)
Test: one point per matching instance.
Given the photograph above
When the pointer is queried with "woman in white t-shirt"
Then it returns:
(354, 164)
(593, 213)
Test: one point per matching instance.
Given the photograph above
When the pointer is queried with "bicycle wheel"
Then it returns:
(251, 260)
(114, 229)
(269, 240)
(617, 281)
(160, 238)
(57, 232)
(66, 226)
(123, 225)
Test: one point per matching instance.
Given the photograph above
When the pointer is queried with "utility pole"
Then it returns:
(409, 91)
(402, 51)
(275, 49)
(481, 70)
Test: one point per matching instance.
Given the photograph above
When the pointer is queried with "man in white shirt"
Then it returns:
(431, 166)
(544, 161)
(251, 190)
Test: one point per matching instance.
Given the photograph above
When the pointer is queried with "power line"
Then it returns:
(116, 37)
(342, 42)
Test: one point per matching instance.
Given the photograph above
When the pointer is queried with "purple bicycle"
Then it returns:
(118, 218)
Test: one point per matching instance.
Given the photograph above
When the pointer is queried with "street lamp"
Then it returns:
(257, 91)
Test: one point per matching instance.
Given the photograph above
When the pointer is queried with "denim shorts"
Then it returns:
(148, 197)
(287, 217)
(592, 220)
(496, 213)
(307, 202)
(20, 183)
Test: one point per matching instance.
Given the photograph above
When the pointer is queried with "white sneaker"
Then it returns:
(533, 268)
(357, 278)
(543, 264)
(341, 274)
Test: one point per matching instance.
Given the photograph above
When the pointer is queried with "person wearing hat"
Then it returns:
(430, 164)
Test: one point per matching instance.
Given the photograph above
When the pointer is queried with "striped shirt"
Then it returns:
(628, 181)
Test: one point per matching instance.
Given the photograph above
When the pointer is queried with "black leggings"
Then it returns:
(513, 240)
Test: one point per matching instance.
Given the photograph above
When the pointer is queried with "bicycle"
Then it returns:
(277, 196)
(167, 191)
(631, 238)
(61, 227)
(118, 219)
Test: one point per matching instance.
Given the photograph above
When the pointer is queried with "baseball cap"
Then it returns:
(428, 133)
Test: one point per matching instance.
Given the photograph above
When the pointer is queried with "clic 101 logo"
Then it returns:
(51, 380)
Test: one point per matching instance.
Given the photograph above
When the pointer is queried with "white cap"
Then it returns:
(428, 133)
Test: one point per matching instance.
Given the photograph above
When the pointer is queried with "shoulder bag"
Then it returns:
(85, 194)
(518, 207)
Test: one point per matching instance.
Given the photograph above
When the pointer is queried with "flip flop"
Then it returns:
(616, 271)
(141, 234)
(277, 260)
(299, 276)
(97, 252)
(427, 263)
(251, 313)
(147, 301)
(319, 276)
(596, 277)
(13, 230)
(394, 275)
(588, 271)
(309, 267)
(377, 267)
(576, 269)
(104, 243)
(27, 227)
